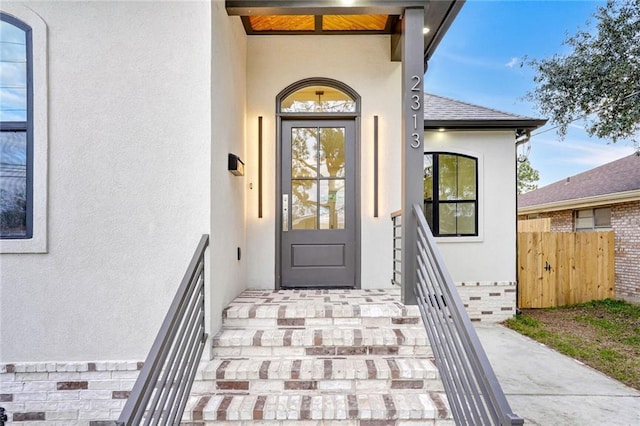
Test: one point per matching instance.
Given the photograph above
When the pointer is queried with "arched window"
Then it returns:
(451, 194)
(16, 129)
(318, 96)
(23, 130)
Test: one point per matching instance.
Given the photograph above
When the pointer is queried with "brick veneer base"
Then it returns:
(488, 301)
(71, 393)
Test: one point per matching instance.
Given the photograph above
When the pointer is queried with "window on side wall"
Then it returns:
(23, 141)
(451, 194)
(593, 219)
(16, 137)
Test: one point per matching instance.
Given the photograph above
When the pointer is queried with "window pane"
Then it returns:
(304, 152)
(585, 213)
(447, 219)
(332, 204)
(428, 177)
(602, 217)
(13, 184)
(318, 99)
(584, 223)
(13, 73)
(332, 140)
(304, 205)
(466, 178)
(466, 215)
(428, 214)
(447, 174)
(457, 219)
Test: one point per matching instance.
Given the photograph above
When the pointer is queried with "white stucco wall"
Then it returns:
(228, 94)
(490, 257)
(361, 62)
(129, 180)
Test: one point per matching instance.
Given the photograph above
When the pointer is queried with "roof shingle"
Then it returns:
(622, 175)
(445, 112)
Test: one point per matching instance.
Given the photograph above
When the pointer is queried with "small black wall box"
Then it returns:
(236, 166)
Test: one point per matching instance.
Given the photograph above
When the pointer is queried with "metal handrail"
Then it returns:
(170, 367)
(473, 391)
(396, 218)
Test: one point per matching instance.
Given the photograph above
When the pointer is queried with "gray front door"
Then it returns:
(318, 214)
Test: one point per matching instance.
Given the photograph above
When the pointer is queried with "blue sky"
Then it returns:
(479, 59)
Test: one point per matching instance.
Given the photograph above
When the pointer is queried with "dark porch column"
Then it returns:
(412, 142)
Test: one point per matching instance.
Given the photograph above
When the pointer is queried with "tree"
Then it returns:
(527, 175)
(599, 81)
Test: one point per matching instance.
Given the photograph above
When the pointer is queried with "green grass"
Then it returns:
(603, 334)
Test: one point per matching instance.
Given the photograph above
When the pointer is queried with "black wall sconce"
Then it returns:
(236, 166)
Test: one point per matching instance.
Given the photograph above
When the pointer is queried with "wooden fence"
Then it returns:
(535, 225)
(563, 268)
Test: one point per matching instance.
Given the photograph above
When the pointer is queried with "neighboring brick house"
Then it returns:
(604, 198)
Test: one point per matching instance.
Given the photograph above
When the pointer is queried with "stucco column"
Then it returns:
(412, 142)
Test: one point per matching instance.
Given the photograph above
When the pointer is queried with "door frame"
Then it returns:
(315, 117)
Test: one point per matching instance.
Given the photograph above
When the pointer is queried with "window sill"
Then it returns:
(30, 245)
(476, 239)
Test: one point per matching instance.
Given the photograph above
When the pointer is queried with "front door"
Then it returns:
(318, 193)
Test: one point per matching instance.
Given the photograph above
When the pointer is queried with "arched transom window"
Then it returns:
(318, 99)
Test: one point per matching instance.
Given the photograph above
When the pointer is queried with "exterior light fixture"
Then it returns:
(442, 129)
(236, 166)
(425, 30)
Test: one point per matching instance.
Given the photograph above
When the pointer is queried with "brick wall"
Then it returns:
(78, 393)
(625, 221)
(488, 301)
(561, 221)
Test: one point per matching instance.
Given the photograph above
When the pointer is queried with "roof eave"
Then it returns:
(584, 202)
(433, 38)
(523, 124)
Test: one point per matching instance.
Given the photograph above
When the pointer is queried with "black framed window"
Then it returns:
(451, 194)
(16, 129)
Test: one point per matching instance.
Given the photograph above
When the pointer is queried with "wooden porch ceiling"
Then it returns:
(297, 17)
(320, 24)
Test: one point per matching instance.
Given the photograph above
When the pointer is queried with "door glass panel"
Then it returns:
(332, 141)
(332, 204)
(304, 152)
(304, 204)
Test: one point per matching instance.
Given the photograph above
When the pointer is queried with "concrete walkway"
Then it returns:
(547, 388)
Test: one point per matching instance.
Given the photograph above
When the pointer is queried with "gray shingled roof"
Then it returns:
(449, 113)
(622, 175)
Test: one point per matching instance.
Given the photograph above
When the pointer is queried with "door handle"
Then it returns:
(285, 212)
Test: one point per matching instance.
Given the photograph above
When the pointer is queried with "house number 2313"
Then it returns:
(416, 107)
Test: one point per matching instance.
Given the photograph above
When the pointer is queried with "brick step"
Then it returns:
(319, 357)
(320, 311)
(320, 337)
(357, 409)
(318, 368)
(318, 375)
